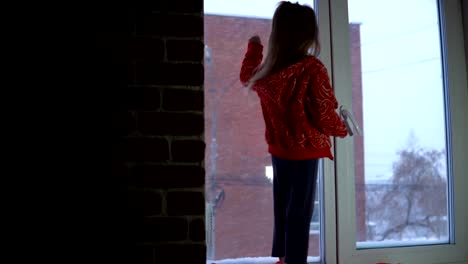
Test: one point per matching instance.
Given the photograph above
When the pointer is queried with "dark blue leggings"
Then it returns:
(294, 183)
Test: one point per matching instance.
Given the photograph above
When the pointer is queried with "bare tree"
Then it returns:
(414, 204)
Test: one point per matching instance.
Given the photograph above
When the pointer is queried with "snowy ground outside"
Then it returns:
(402, 243)
(258, 260)
(368, 244)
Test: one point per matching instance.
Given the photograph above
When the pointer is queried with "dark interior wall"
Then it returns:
(103, 124)
(163, 141)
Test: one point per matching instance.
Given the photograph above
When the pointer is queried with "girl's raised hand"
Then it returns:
(256, 39)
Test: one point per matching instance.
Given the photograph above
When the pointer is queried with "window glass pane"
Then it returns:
(398, 98)
(238, 167)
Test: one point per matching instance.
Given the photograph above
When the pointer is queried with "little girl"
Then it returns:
(299, 109)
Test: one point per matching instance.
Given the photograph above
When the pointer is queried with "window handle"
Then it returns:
(351, 123)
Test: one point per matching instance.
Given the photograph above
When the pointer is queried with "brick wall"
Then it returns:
(163, 142)
(356, 75)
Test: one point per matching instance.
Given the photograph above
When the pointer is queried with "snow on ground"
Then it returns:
(256, 260)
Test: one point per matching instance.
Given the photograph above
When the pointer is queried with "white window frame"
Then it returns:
(342, 242)
(328, 223)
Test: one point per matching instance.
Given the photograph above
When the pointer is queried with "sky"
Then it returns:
(401, 71)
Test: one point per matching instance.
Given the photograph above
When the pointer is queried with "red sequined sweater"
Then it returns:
(298, 105)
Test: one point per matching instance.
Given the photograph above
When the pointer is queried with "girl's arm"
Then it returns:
(252, 59)
(325, 105)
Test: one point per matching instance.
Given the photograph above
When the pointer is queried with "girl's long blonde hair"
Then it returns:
(294, 34)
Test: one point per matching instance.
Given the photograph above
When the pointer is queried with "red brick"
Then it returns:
(176, 124)
(185, 203)
(188, 150)
(185, 50)
(183, 100)
(239, 125)
(143, 98)
(153, 176)
(170, 25)
(169, 74)
(145, 149)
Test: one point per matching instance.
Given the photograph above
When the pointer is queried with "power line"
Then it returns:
(402, 65)
(404, 34)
